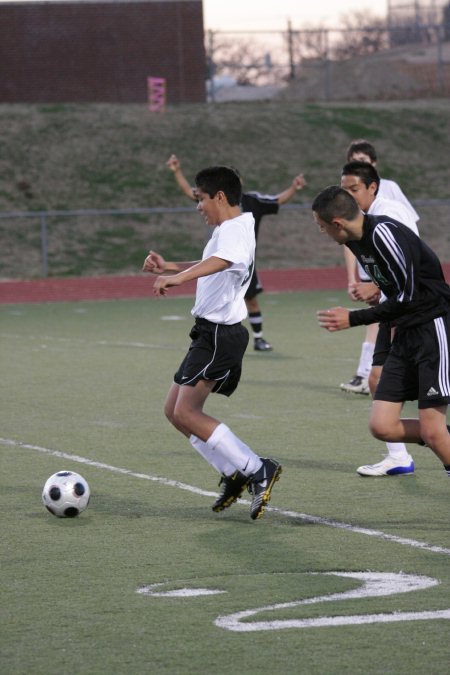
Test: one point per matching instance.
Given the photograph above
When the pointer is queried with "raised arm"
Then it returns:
(298, 183)
(174, 165)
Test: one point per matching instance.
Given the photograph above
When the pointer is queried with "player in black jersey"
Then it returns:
(417, 305)
(259, 205)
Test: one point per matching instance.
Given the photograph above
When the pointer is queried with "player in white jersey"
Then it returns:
(219, 340)
(363, 151)
(259, 205)
(362, 181)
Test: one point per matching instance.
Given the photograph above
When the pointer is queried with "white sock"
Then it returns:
(398, 452)
(231, 448)
(365, 360)
(215, 459)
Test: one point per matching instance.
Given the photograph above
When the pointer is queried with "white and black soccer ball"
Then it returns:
(66, 494)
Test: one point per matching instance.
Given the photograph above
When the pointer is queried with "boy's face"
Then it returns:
(208, 206)
(363, 195)
(333, 230)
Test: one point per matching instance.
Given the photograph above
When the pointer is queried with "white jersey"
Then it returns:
(396, 210)
(389, 189)
(220, 296)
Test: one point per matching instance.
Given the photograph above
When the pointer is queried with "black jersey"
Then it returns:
(405, 269)
(259, 205)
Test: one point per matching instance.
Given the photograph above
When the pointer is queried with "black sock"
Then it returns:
(256, 322)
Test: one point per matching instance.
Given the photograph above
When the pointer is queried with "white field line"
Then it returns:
(80, 341)
(318, 520)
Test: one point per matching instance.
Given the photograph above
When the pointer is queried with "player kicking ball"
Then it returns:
(213, 363)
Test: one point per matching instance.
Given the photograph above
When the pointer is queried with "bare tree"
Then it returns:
(362, 34)
(310, 43)
(245, 59)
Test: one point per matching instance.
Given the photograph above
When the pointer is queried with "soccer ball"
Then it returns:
(66, 494)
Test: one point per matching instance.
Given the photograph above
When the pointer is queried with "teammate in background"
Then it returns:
(362, 181)
(259, 205)
(363, 151)
(219, 340)
(417, 304)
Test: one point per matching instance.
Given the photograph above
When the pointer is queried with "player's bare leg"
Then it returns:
(227, 453)
(398, 461)
(430, 429)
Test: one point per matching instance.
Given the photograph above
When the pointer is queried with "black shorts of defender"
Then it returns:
(254, 287)
(215, 353)
(418, 366)
(382, 344)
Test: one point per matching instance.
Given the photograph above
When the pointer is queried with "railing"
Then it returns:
(96, 238)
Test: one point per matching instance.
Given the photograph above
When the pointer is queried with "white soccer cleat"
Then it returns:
(388, 467)
(357, 385)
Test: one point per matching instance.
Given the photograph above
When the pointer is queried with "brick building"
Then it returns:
(100, 50)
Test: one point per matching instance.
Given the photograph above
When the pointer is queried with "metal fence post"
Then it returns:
(44, 256)
(327, 68)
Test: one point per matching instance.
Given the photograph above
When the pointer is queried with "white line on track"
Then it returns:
(318, 520)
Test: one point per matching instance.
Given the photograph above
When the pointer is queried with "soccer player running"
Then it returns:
(219, 340)
(417, 304)
(259, 205)
(362, 181)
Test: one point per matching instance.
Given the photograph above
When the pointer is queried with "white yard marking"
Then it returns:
(176, 592)
(318, 520)
(375, 584)
(81, 341)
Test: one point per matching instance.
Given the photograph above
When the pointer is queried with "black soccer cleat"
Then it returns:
(232, 488)
(261, 485)
(260, 345)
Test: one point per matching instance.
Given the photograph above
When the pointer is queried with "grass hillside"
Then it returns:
(62, 157)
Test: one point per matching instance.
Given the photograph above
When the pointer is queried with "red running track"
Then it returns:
(140, 286)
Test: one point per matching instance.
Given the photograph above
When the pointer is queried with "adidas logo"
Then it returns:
(432, 392)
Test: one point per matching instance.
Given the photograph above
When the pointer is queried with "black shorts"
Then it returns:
(254, 287)
(418, 367)
(382, 344)
(215, 353)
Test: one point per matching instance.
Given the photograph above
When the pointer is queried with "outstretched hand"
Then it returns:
(334, 319)
(154, 263)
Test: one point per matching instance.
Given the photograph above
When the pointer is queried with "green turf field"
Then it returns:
(149, 579)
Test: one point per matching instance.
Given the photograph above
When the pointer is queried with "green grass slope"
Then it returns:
(62, 157)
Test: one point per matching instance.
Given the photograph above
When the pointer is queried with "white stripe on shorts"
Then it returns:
(444, 382)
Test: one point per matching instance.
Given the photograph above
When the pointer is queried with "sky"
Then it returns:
(274, 14)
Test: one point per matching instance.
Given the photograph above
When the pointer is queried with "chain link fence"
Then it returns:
(90, 242)
(387, 60)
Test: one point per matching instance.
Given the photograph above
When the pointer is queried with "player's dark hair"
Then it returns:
(222, 178)
(335, 202)
(361, 145)
(366, 172)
